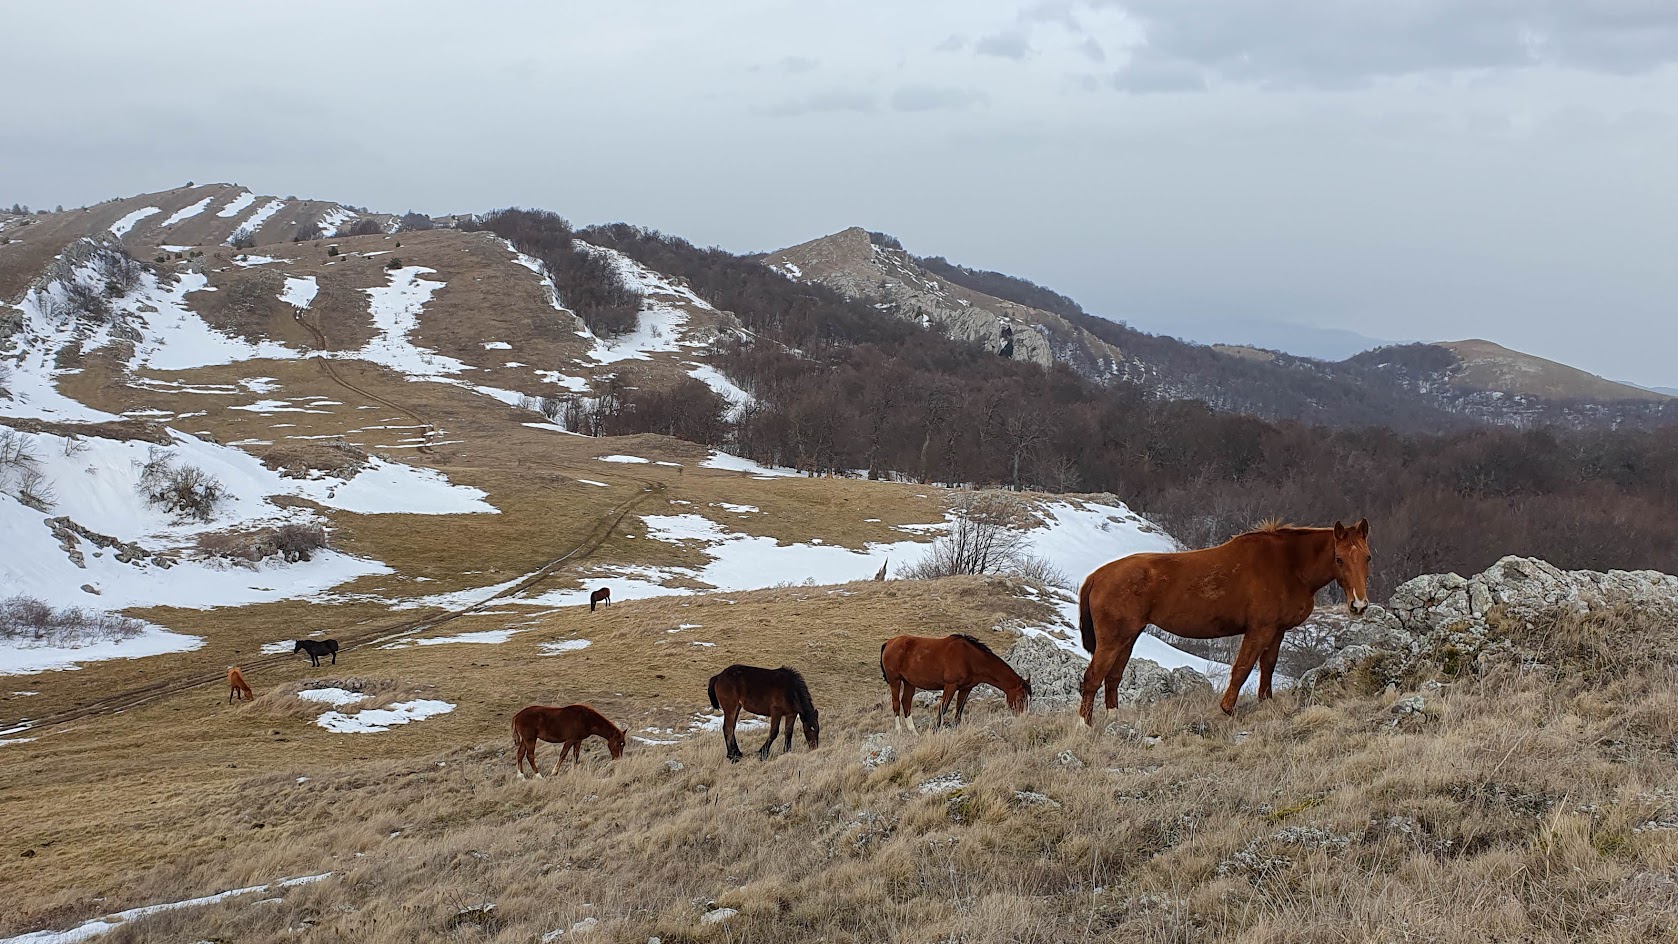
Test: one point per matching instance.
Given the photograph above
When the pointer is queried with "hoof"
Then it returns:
(1227, 709)
(735, 758)
(521, 775)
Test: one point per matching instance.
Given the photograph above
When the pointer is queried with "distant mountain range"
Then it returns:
(1324, 344)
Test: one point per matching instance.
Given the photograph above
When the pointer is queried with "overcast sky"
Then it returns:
(1431, 169)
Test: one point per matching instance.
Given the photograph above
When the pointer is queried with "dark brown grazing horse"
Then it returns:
(1259, 584)
(776, 694)
(316, 649)
(604, 593)
(569, 727)
(236, 685)
(956, 664)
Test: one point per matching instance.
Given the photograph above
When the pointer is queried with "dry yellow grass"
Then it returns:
(1530, 805)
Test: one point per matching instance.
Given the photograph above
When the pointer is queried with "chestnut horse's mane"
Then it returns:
(972, 640)
(1279, 526)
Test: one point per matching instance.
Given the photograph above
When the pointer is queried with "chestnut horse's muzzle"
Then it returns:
(1357, 607)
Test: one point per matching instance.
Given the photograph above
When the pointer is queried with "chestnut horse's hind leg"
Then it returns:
(909, 706)
(1267, 664)
(1107, 664)
(1252, 643)
(730, 715)
(774, 732)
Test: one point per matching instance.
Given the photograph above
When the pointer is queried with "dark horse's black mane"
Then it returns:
(800, 693)
(975, 642)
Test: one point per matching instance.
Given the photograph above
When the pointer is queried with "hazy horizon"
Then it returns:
(1400, 170)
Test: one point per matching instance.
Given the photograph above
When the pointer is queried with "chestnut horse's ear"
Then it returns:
(1339, 531)
(1363, 526)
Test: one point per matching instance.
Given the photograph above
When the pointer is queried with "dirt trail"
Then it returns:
(132, 698)
(332, 374)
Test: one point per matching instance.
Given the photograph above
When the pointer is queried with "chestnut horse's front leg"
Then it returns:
(563, 748)
(774, 732)
(1252, 643)
(949, 692)
(961, 703)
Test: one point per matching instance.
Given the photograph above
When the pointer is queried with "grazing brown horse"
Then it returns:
(604, 593)
(1259, 584)
(236, 685)
(956, 663)
(569, 727)
(774, 693)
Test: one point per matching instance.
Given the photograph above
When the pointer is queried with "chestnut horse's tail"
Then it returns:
(711, 689)
(1086, 623)
(883, 674)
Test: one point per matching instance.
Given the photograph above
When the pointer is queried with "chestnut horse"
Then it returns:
(956, 663)
(1259, 584)
(569, 727)
(236, 685)
(774, 693)
(604, 593)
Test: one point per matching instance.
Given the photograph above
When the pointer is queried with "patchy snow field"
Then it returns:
(373, 720)
(186, 213)
(18, 658)
(99, 926)
(121, 227)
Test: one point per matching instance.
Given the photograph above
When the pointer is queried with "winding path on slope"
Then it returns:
(325, 362)
(132, 698)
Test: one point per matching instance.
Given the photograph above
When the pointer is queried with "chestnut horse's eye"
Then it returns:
(1339, 561)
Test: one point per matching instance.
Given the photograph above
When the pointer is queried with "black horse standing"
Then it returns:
(316, 649)
(774, 693)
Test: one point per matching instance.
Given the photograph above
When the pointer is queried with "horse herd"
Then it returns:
(1256, 585)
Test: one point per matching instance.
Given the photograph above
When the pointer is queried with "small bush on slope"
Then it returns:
(26, 619)
(180, 489)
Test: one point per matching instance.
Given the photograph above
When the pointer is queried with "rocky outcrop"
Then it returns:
(1462, 625)
(851, 263)
(1057, 676)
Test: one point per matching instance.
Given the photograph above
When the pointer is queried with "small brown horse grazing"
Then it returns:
(604, 593)
(1259, 584)
(956, 663)
(774, 693)
(569, 727)
(236, 685)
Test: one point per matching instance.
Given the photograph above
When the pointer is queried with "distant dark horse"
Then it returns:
(236, 685)
(604, 593)
(569, 727)
(774, 693)
(1256, 585)
(956, 663)
(317, 648)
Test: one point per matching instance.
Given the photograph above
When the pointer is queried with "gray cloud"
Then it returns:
(935, 98)
(823, 102)
(1008, 44)
(1335, 44)
(797, 65)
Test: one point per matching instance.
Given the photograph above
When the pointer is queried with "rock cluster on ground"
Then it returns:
(1461, 624)
(1057, 676)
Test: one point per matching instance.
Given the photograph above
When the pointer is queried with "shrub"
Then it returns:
(365, 226)
(120, 271)
(27, 619)
(294, 542)
(299, 542)
(182, 490)
(242, 238)
(332, 250)
(84, 302)
(414, 222)
(394, 263)
(987, 537)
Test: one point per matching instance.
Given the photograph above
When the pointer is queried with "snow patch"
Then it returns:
(186, 213)
(372, 720)
(121, 227)
(18, 658)
(237, 204)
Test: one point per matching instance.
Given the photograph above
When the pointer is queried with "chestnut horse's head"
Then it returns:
(812, 727)
(614, 742)
(1018, 697)
(1351, 564)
